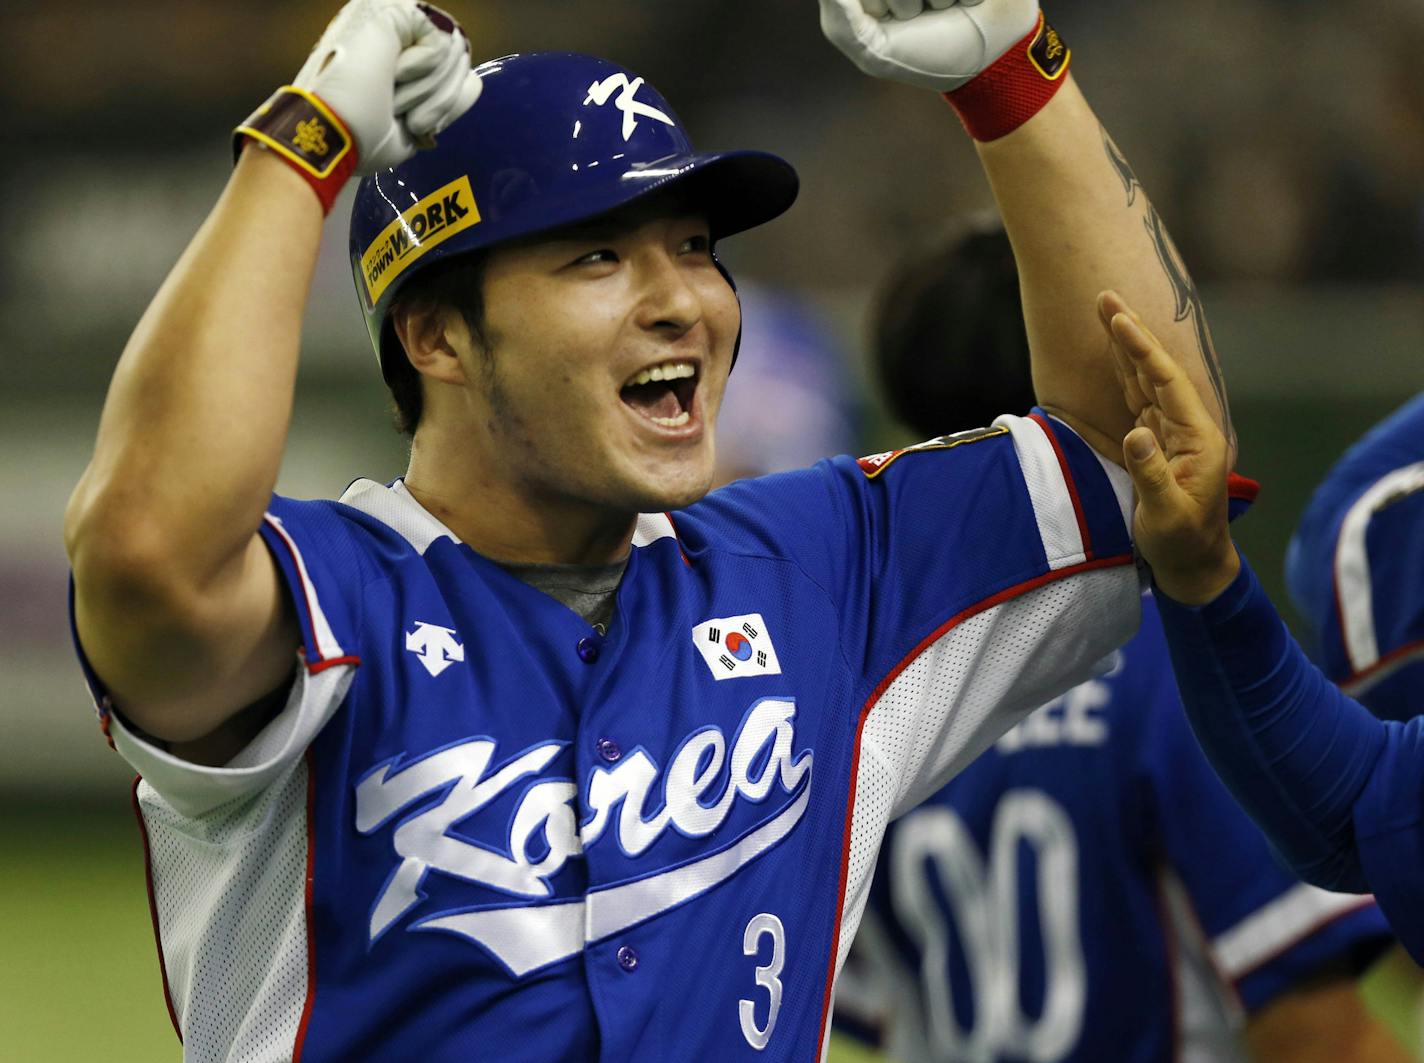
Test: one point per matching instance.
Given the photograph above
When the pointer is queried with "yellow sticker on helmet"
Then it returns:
(425, 224)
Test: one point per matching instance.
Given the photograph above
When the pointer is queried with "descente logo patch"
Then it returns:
(446, 211)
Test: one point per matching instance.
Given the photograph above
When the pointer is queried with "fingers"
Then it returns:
(905, 9)
(1133, 396)
(1158, 493)
(848, 23)
(1171, 390)
(1161, 380)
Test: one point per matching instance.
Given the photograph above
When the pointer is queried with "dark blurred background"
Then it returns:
(1282, 140)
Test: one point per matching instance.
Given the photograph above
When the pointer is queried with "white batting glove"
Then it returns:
(396, 72)
(935, 44)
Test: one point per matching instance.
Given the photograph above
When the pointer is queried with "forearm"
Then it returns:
(1080, 223)
(192, 432)
(1294, 751)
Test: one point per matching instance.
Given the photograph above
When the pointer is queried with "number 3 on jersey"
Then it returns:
(767, 977)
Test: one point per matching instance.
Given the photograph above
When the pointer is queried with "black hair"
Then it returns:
(949, 345)
(456, 283)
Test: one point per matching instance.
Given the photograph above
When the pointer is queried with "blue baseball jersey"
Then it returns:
(1356, 566)
(481, 827)
(1088, 890)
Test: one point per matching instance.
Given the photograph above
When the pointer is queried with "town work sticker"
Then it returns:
(446, 211)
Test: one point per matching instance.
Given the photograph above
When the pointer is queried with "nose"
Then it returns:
(668, 303)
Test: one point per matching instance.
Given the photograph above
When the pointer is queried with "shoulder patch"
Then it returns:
(874, 464)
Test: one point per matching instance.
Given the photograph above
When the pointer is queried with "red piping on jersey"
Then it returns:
(1388, 662)
(330, 662)
(153, 908)
(1042, 422)
(1310, 931)
(978, 607)
(678, 539)
(313, 666)
(311, 923)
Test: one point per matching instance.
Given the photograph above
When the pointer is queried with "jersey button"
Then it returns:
(628, 959)
(587, 650)
(609, 750)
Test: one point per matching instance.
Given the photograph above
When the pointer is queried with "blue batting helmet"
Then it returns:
(554, 138)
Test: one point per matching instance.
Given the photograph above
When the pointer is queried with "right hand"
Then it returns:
(935, 44)
(1178, 460)
(396, 72)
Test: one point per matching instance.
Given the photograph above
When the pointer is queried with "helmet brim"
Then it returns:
(738, 190)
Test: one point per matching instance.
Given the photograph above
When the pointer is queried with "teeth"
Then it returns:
(669, 371)
(673, 422)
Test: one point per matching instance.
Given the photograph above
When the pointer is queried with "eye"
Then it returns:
(696, 245)
(593, 258)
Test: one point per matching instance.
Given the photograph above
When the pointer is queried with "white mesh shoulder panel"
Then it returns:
(229, 890)
(966, 689)
(228, 859)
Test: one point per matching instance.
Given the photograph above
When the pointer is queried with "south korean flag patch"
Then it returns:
(735, 646)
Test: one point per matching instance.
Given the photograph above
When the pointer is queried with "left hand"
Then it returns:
(935, 44)
(1178, 460)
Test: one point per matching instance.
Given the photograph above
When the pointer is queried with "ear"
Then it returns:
(432, 336)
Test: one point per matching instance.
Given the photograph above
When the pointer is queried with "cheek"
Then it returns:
(724, 312)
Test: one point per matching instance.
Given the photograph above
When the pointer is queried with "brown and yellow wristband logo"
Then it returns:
(296, 124)
(1048, 52)
(429, 222)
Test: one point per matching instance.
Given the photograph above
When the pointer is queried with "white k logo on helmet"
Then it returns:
(600, 92)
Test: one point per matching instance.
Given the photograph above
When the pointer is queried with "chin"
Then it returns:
(676, 490)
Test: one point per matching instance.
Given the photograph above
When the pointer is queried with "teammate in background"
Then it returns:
(789, 403)
(538, 752)
(1356, 567)
(1339, 792)
(1087, 889)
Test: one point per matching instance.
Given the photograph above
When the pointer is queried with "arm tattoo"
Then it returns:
(1184, 291)
(1130, 184)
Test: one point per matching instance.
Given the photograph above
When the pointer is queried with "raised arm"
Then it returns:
(177, 603)
(1078, 219)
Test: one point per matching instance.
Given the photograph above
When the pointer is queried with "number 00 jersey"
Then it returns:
(1087, 890)
(481, 829)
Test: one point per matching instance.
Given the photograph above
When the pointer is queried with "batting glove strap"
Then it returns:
(307, 135)
(1015, 87)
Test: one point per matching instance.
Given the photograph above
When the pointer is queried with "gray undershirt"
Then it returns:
(589, 590)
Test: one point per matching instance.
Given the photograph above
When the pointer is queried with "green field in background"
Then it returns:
(80, 981)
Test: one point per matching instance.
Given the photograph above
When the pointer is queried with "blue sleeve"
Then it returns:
(1295, 752)
(1389, 832)
(1266, 930)
(1355, 566)
(323, 567)
(910, 541)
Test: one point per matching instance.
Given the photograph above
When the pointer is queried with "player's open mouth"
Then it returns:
(663, 393)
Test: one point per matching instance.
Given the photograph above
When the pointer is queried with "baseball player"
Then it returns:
(536, 752)
(1354, 566)
(1086, 889)
(1335, 789)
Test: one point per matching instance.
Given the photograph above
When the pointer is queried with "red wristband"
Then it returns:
(1015, 86)
(306, 134)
